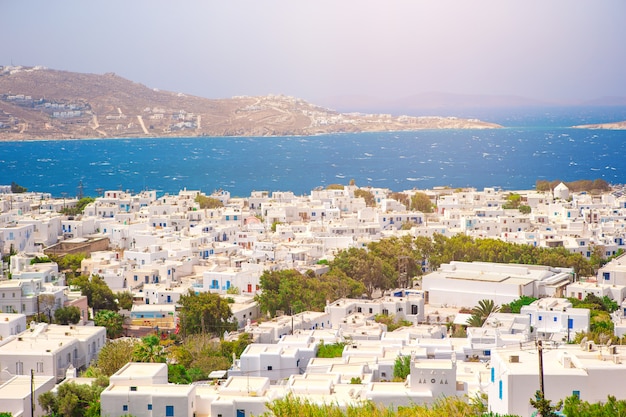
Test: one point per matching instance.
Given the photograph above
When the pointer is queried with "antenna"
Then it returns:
(81, 190)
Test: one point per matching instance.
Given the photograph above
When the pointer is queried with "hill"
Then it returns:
(39, 103)
(608, 126)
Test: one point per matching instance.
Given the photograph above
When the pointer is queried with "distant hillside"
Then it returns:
(608, 126)
(39, 103)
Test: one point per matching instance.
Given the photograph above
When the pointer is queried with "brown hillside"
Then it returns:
(38, 103)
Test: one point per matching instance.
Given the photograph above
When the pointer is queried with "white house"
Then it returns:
(464, 284)
(11, 324)
(590, 372)
(555, 318)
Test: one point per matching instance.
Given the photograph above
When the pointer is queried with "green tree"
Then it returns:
(149, 350)
(402, 367)
(481, 312)
(113, 322)
(544, 406)
(70, 262)
(99, 295)
(204, 313)
(46, 305)
(208, 202)
(115, 354)
(17, 189)
(293, 292)
(125, 300)
(575, 407)
(67, 315)
(366, 195)
(421, 202)
(367, 268)
(73, 400)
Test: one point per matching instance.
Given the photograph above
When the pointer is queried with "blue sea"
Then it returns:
(535, 144)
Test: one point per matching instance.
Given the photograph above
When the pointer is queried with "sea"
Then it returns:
(535, 144)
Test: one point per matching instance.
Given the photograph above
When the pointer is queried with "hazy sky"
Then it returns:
(541, 49)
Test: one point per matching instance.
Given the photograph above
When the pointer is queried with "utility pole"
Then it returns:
(32, 392)
(540, 351)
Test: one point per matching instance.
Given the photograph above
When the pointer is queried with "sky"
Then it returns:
(552, 50)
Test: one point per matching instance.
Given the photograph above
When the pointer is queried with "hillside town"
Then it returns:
(162, 247)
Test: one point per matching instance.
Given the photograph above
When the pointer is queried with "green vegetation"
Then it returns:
(516, 305)
(200, 355)
(421, 202)
(481, 312)
(370, 201)
(335, 187)
(467, 249)
(149, 350)
(575, 407)
(402, 367)
(595, 187)
(600, 323)
(334, 350)
(40, 260)
(204, 312)
(99, 295)
(113, 322)
(292, 292)
(17, 189)
(274, 224)
(544, 406)
(208, 202)
(514, 202)
(70, 264)
(444, 407)
(124, 300)
(391, 321)
(74, 400)
(67, 315)
(79, 208)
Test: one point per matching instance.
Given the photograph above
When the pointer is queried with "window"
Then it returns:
(269, 367)
(493, 374)
(540, 318)
(606, 276)
(125, 407)
(149, 406)
(500, 389)
(169, 411)
(554, 318)
(576, 393)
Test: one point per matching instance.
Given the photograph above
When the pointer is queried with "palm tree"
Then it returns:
(149, 350)
(481, 312)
